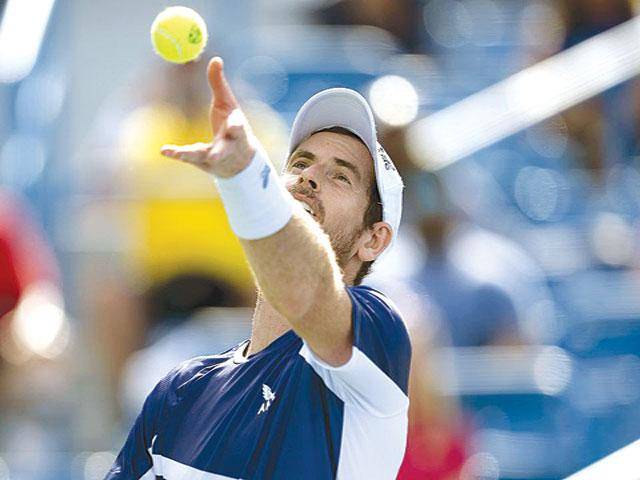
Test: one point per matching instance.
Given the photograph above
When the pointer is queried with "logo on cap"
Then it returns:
(388, 164)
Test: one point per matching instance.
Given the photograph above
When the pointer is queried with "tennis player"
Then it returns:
(320, 389)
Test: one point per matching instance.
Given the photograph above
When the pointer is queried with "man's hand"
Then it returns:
(233, 146)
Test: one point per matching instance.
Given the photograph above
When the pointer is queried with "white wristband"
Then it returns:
(256, 201)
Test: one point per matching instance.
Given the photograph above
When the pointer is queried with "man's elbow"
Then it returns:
(300, 301)
(296, 304)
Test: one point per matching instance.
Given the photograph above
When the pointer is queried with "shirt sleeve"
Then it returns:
(375, 378)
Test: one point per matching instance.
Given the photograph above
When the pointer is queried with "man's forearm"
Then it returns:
(296, 267)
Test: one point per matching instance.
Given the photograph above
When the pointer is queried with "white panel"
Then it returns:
(149, 475)
(371, 447)
(172, 470)
(360, 383)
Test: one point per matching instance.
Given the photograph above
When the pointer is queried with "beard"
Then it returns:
(342, 243)
(342, 238)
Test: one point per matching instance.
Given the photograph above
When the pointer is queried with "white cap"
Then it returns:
(342, 107)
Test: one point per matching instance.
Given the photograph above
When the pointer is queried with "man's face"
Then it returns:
(331, 174)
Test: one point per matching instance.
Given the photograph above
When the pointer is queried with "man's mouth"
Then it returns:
(308, 209)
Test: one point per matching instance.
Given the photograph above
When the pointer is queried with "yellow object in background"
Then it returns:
(189, 235)
(179, 34)
(178, 222)
(147, 172)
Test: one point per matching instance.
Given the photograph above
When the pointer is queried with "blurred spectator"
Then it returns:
(586, 18)
(586, 127)
(476, 313)
(33, 331)
(25, 256)
(401, 18)
(603, 129)
(165, 194)
(30, 292)
(126, 162)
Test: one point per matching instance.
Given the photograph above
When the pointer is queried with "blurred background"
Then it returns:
(517, 268)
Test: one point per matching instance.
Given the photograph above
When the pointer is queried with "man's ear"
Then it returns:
(374, 241)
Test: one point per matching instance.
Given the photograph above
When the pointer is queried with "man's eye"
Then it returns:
(298, 165)
(343, 178)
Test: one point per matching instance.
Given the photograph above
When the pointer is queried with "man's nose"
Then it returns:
(307, 176)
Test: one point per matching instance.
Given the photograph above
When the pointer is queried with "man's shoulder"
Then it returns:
(193, 369)
(187, 369)
(375, 310)
(380, 333)
(376, 303)
(368, 290)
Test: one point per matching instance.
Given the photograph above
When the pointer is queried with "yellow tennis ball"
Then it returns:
(178, 34)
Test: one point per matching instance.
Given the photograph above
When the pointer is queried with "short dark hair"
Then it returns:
(373, 213)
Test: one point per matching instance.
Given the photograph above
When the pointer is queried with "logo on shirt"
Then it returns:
(269, 397)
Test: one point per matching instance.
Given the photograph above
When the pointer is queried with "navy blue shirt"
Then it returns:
(281, 413)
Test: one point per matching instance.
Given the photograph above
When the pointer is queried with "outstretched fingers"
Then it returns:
(195, 153)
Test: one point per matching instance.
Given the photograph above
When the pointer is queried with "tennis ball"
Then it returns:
(178, 34)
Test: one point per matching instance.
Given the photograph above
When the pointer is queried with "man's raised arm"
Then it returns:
(290, 255)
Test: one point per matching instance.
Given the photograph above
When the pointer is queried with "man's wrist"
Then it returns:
(256, 201)
(230, 171)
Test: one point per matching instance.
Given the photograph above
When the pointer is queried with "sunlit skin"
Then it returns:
(302, 269)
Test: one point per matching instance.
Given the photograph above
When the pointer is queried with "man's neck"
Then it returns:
(267, 325)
